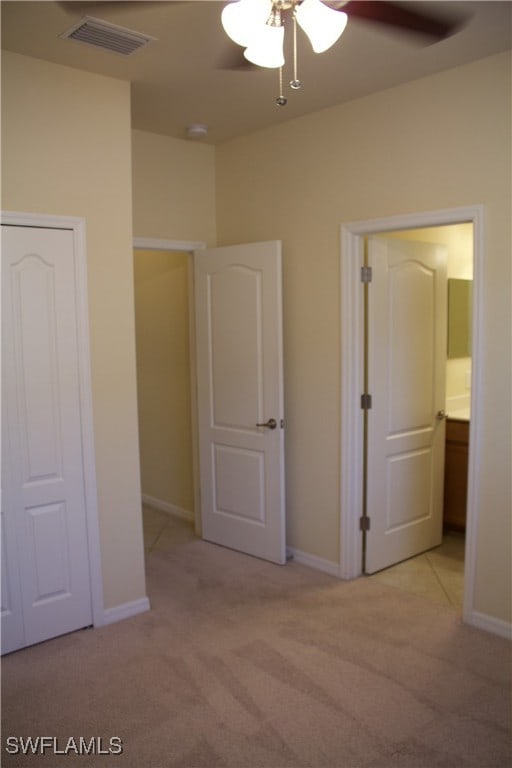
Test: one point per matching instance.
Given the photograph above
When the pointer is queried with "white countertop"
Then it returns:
(462, 414)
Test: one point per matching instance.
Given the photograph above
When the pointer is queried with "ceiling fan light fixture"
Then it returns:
(243, 18)
(321, 24)
(266, 47)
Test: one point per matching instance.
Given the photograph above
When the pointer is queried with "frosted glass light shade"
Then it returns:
(266, 47)
(321, 24)
(241, 19)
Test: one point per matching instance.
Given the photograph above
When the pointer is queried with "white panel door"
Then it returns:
(240, 388)
(406, 378)
(48, 588)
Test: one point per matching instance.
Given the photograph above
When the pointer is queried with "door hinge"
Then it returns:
(366, 274)
(364, 523)
(366, 402)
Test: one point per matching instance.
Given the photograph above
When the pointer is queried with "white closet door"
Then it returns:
(47, 559)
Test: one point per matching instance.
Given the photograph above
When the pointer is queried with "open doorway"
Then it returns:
(163, 379)
(351, 492)
(165, 382)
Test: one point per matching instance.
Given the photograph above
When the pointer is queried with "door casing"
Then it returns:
(77, 226)
(352, 371)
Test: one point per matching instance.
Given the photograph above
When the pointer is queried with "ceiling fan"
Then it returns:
(259, 25)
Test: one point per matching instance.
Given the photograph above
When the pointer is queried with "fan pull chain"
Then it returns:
(295, 83)
(281, 100)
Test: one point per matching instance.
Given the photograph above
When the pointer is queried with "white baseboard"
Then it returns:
(125, 611)
(312, 561)
(165, 506)
(490, 624)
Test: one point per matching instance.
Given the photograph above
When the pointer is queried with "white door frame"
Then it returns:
(188, 247)
(352, 342)
(77, 226)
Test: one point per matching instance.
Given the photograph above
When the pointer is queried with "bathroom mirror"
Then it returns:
(459, 317)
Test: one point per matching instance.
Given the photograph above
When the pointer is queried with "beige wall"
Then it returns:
(440, 142)
(163, 377)
(66, 150)
(173, 188)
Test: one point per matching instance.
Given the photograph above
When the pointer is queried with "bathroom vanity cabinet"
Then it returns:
(456, 474)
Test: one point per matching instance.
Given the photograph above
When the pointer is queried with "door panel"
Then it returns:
(239, 369)
(239, 482)
(13, 631)
(406, 377)
(411, 312)
(236, 355)
(44, 494)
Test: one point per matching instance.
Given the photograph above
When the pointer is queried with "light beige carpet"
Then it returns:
(245, 664)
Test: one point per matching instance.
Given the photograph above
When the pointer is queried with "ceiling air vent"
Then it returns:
(108, 37)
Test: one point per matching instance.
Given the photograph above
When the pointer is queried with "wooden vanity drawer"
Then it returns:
(456, 474)
(457, 431)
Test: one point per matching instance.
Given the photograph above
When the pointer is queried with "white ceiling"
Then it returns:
(181, 77)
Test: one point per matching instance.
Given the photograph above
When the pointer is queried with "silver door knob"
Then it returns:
(440, 415)
(270, 424)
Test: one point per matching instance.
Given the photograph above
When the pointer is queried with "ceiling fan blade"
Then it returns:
(398, 16)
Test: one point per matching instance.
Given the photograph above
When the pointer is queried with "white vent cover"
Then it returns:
(108, 37)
